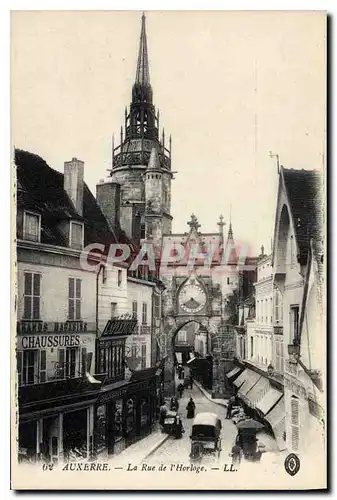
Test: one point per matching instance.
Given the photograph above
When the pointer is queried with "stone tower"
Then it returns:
(141, 164)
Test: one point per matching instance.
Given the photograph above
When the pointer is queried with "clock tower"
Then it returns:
(141, 163)
(196, 292)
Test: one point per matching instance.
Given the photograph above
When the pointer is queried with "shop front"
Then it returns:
(56, 421)
(124, 413)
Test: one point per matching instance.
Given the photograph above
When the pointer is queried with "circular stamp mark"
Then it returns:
(292, 464)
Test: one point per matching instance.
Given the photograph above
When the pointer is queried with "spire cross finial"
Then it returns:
(143, 75)
(221, 223)
(193, 223)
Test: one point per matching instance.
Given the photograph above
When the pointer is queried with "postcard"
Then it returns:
(169, 304)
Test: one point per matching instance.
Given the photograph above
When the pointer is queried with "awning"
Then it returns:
(272, 396)
(233, 372)
(276, 418)
(258, 391)
(251, 380)
(241, 379)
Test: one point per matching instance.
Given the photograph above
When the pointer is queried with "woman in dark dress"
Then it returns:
(190, 408)
(178, 428)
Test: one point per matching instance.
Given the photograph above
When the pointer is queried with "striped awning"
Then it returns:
(251, 380)
(276, 418)
(268, 401)
(241, 378)
(233, 372)
(258, 391)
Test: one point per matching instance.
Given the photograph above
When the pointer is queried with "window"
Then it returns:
(76, 235)
(27, 367)
(113, 310)
(227, 281)
(251, 347)
(43, 367)
(32, 292)
(68, 363)
(142, 231)
(294, 315)
(271, 310)
(143, 365)
(279, 356)
(134, 309)
(74, 299)
(31, 226)
(71, 362)
(133, 351)
(266, 310)
(120, 277)
(144, 313)
(278, 307)
(295, 428)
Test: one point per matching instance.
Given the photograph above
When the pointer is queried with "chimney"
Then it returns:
(108, 195)
(74, 182)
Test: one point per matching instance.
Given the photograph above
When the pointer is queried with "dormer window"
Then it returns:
(31, 226)
(76, 235)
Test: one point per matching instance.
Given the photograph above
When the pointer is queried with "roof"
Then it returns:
(40, 188)
(206, 419)
(304, 190)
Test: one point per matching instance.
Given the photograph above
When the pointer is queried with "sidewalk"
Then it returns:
(140, 451)
(218, 401)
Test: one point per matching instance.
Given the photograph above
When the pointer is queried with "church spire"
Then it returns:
(143, 74)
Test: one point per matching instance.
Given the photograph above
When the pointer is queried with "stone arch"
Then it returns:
(172, 324)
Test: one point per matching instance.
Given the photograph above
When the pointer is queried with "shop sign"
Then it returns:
(49, 341)
(26, 327)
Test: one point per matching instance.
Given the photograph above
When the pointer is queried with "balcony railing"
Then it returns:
(60, 371)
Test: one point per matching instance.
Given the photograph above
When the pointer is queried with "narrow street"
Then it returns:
(177, 450)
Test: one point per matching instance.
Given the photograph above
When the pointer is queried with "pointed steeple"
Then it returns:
(141, 120)
(154, 162)
(143, 74)
(230, 245)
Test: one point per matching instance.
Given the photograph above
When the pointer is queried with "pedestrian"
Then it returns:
(178, 428)
(180, 390)
(190, 408)
(191, 382)
(229, 409)
(236, 454)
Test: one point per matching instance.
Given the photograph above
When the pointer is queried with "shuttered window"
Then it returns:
(32, 296)
(295, 429)
(144, 313)
(43, 366)
(134, 309)
(74, 299)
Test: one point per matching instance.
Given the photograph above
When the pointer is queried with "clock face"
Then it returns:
(192, 297)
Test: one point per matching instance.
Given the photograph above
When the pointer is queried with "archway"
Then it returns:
(172, 325)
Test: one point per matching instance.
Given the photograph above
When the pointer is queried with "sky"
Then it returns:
(230, 86)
